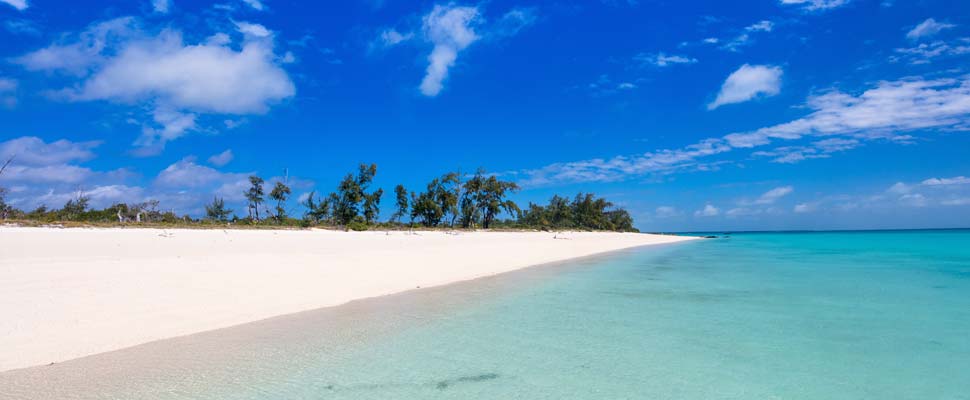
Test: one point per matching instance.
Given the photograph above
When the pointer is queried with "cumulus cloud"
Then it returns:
(83, 52)
(33, 151)
(707, 211)
(451, 29)
(18, 4)
(42, 168)
(186, 173)
(803, 208)
(663, 60)
(221, 159)
(121, 62)
(885, 112)
(748, 82)
(927, 28)
(51, 173)
(162, 6)
(816, 5)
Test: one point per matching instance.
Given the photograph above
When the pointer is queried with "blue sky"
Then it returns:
(706, 115)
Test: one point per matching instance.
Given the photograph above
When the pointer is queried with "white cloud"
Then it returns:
(450, 29)
(815, 5)
(667, 212)
(7, 88)
(707, 211)
(819, 149)
(892, 106)
(254, 30)
(963, 201)
(124, 64)
(162, 6)
(804, 208)
(925, 53)
(927, 28)
(201, 77)
(957, 180)
(748, 82)
(745, 38)
(663, 60)
(33, 151)
(899, 188)
(221, 159)
(761, 26)
(187, 174)
(913, 200)
(883, 112)
(773, 195)
(255, 4)
(515, 20)
(79, 56)
(18, 4)
(391, 37)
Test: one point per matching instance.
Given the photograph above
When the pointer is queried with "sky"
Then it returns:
(693, 115)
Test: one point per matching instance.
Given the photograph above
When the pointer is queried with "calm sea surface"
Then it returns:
(852, 315)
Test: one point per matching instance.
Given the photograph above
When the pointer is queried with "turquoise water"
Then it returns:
(867, 315)
(859, 315)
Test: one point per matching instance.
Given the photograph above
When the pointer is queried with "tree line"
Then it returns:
(452, 200)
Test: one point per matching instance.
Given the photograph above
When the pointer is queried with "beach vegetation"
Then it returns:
(452, 200)
(217, 211)
(352, 197)
(280, 194)
(254, 195)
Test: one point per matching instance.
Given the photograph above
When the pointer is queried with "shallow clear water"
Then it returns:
(757, 316)
(859, 315)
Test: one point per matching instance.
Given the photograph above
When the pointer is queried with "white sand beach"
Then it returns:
(69, 293)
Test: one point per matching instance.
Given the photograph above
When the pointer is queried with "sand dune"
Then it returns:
(68, 293)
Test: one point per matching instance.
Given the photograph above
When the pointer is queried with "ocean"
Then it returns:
(821, 315)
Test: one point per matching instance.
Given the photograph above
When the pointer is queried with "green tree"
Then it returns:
(255, 196)
(425, 208)
(74, 209)
(352, 194)
(5, 209)
(492, 199)
(447, 194)
(470, 212)
(217, 211)
(559, 212)
(372, 203)
(317, 212)
(280, 193)
(401, 202)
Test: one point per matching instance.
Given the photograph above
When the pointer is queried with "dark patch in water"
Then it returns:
(442, 385)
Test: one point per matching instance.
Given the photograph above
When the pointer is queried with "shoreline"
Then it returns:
(106, 289)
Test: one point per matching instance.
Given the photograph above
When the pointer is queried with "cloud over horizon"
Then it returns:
(121, 62)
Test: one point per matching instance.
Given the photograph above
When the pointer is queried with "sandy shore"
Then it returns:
(68, 293)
